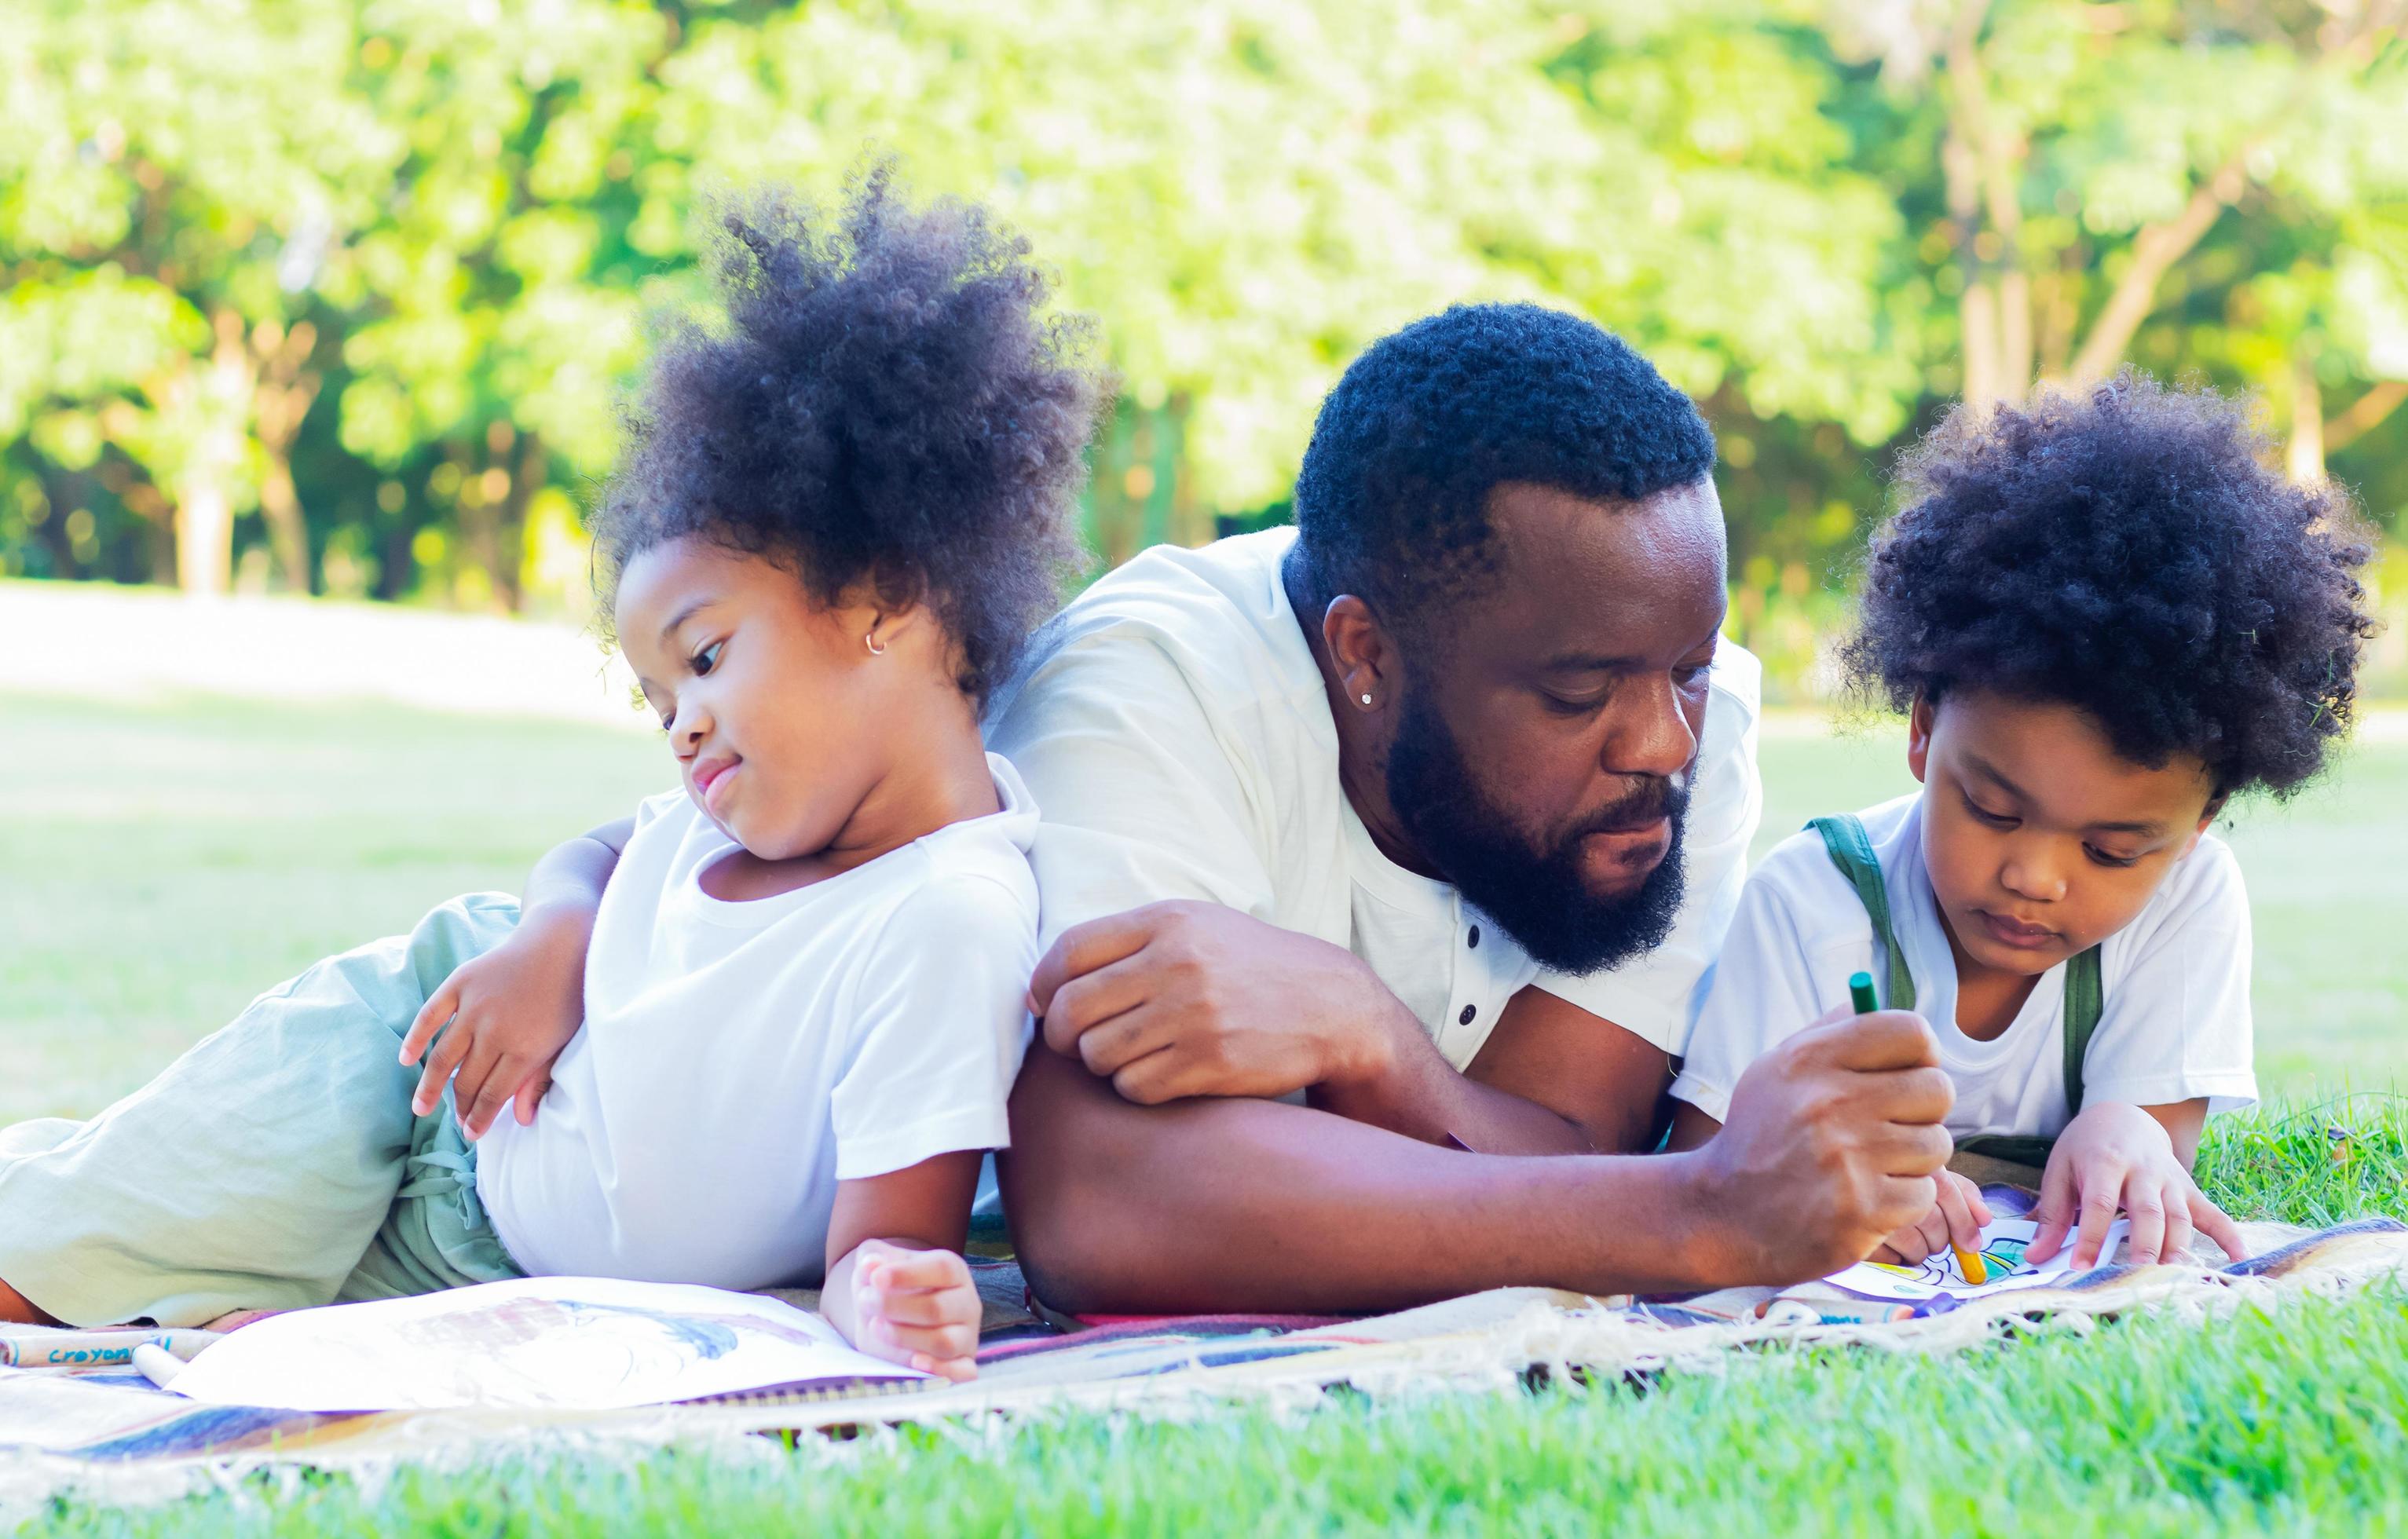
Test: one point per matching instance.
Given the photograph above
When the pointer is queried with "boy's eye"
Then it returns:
(1984, 816)
(707, 659)
(2107, 859)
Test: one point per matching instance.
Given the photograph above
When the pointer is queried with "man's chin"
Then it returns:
(1614, 866)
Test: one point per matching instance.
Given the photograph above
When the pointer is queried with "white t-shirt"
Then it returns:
(740, 1058)
(2175, 1023)
(1173, 722)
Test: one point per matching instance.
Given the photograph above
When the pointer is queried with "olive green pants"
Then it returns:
(275, 1166)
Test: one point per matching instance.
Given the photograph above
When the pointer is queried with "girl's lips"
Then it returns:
(2023, 937)
(709, 780)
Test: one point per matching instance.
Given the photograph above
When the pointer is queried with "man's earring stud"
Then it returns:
(1366, 700)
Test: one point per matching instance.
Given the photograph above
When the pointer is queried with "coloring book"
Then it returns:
(2003, 1245)
(534, 1342)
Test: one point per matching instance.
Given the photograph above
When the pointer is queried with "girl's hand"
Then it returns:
(1954, 1221)
(2115, 1157)
(510, 1013)
(916, 1308)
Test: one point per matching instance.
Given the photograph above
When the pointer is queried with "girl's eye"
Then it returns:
(707, 659)
(2116, 862)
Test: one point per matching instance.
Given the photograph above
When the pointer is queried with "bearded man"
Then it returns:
(1383, 856)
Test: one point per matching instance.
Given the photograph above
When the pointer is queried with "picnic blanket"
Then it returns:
(99, 1427)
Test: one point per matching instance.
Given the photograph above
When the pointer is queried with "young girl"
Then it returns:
(843, 511)
(2106, 617)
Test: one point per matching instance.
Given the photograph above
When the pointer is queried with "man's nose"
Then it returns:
(1655, 737)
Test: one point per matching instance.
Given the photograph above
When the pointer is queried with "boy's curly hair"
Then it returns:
(2125, 552)
(887, 403)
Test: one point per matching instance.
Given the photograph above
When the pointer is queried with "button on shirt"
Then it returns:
(1173, 724)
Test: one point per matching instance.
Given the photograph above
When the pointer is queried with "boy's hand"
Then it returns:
(2113, 1158)
(1956, 1220)
(510, 1013)
(916, 1308)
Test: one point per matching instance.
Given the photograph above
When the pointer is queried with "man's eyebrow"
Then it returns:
(1589, 662)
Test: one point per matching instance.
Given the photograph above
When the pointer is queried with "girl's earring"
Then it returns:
(870, 641)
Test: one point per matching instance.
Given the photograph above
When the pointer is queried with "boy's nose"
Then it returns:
(2033, 876)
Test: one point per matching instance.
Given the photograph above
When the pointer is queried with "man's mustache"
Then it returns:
(1651, 800)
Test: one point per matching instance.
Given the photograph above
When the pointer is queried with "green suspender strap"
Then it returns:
(1851, 849)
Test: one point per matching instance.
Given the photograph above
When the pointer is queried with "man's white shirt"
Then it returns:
(1173, 724)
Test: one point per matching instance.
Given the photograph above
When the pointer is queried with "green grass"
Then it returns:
(165, 863)
(2290, 1423)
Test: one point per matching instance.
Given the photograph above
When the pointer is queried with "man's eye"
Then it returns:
(1695, 674)
(1561, 706)
(707, 659)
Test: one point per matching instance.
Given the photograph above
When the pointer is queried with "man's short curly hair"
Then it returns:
(887, 402)
(2125, 551)
(1392, 499)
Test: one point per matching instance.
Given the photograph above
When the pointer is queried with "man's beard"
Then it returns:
(1537, 895)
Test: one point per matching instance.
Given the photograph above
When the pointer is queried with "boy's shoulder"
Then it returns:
(1799, 868)
(2203, 894)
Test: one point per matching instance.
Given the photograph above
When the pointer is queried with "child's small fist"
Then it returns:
(918, 1308)
(1956, 1221)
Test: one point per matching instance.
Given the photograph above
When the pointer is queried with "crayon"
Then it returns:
(1860, 993)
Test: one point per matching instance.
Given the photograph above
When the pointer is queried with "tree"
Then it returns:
(179, 183)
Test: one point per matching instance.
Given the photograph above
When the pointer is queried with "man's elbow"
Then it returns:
(1067, 1188)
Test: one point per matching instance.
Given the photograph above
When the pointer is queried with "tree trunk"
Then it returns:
(286, 389)
(2304, 459)
(204, 533)
(288, 530)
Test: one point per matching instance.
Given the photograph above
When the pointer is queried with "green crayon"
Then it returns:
(1860, 993)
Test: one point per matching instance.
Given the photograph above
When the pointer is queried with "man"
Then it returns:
(1427, 814)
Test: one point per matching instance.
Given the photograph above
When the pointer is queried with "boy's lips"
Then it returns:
(2013, 932)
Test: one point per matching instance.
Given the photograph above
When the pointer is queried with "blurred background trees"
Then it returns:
(339, 297)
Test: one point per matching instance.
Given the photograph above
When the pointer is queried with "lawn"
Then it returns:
(164, 863)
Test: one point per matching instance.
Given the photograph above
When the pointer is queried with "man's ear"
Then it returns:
(1360, 653)
(1918, 736)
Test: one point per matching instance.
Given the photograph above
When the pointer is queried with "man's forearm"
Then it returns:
(1239, 1205)
(1415, 1091)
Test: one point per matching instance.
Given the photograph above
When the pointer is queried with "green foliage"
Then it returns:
(343, 295)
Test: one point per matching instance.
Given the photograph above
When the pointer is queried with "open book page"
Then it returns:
(550, 1342)
(2003, 1244)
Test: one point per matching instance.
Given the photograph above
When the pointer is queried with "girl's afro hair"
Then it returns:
(885, 406)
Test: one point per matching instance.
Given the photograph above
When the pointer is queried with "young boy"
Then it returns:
(2105, 619)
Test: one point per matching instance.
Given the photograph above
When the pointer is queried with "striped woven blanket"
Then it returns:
(70, 1417)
